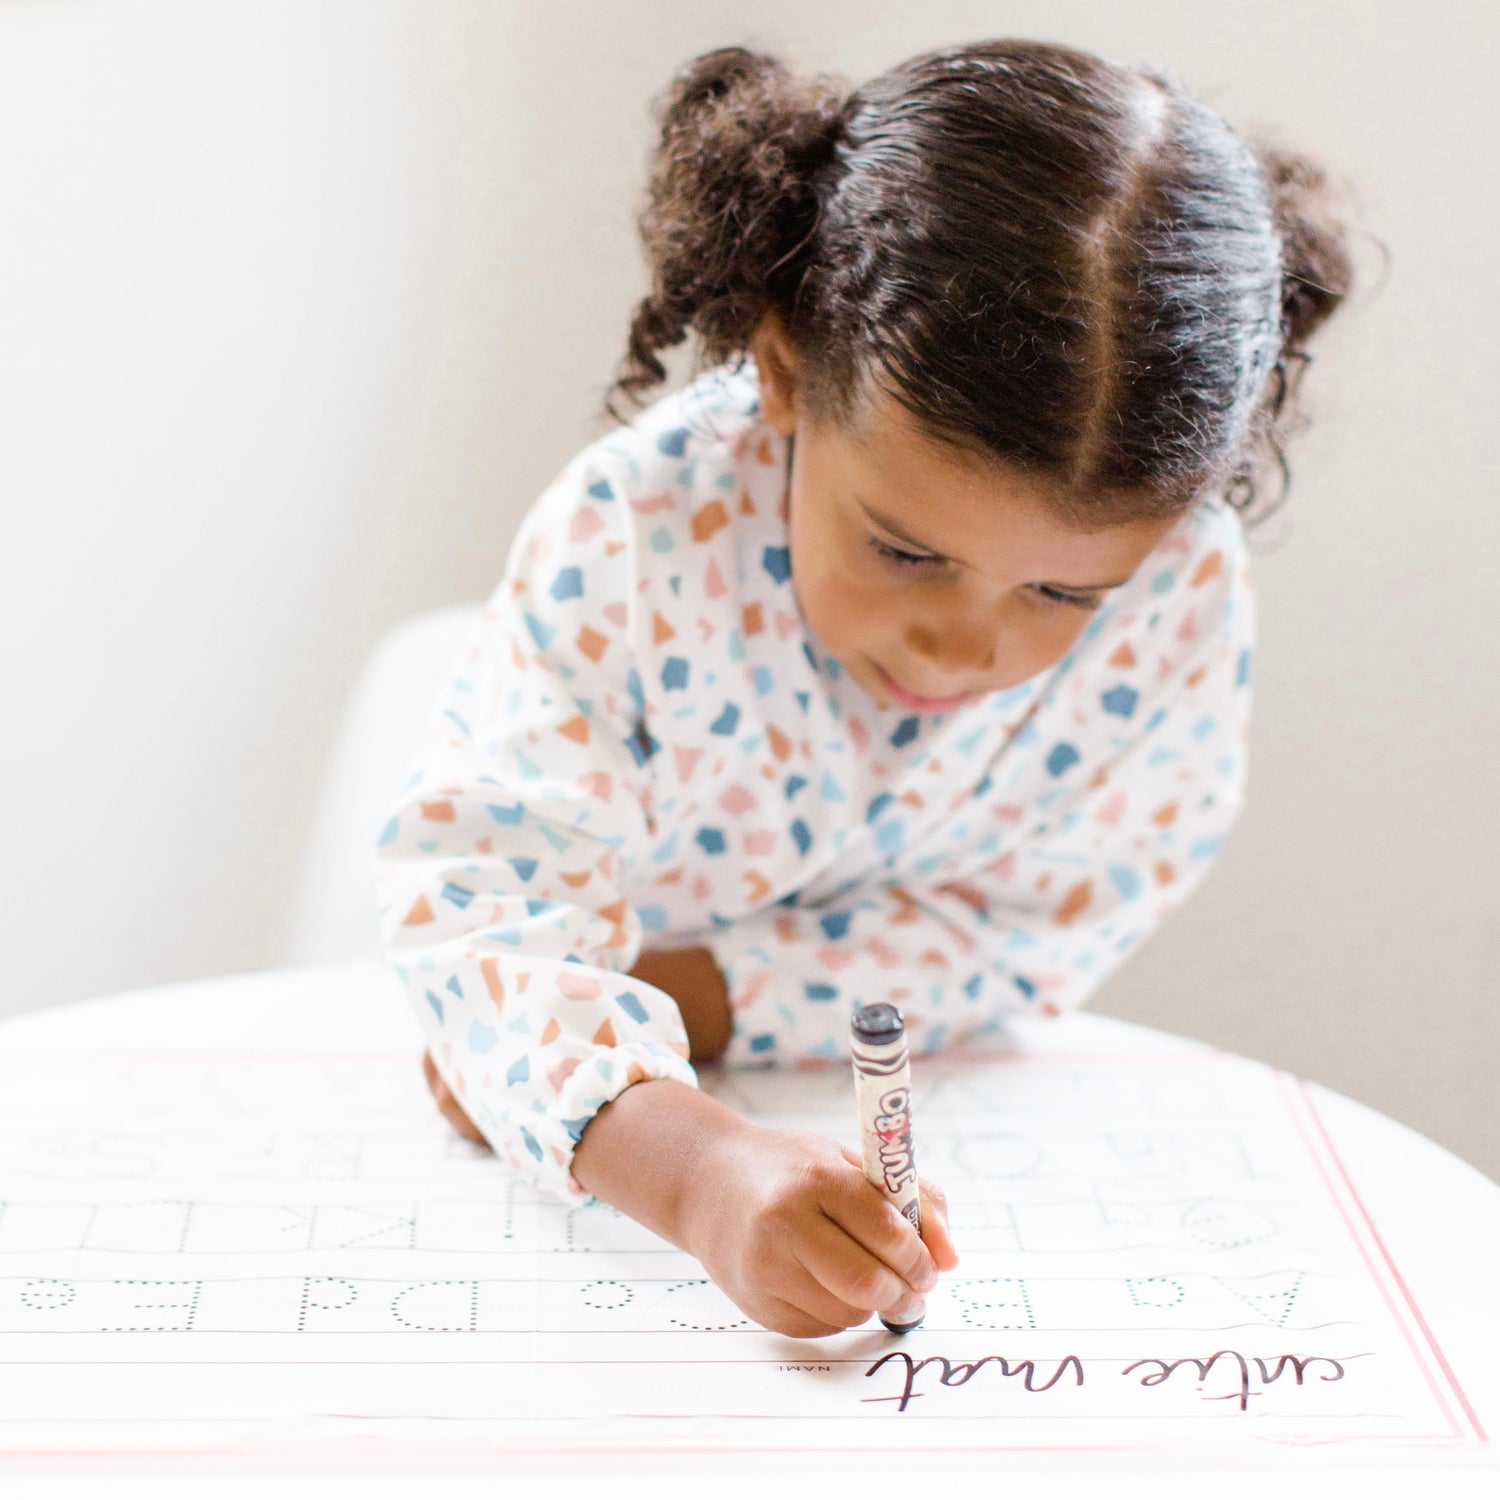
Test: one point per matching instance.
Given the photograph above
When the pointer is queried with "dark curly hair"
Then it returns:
(1071, 266)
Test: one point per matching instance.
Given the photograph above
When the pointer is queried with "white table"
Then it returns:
(1438, 1220)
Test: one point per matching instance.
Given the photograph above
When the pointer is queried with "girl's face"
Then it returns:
(931, 577)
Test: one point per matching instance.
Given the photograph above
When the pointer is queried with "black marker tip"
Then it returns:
(901, 1327)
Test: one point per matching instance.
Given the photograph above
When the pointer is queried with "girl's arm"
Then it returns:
(785, 1223)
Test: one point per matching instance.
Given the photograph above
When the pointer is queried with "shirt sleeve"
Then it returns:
(1086, 852)
(499, 869)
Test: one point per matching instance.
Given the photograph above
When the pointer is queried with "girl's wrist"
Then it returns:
(645, 1152)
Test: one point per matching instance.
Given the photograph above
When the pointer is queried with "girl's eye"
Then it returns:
(1062, 596)
(898, 557)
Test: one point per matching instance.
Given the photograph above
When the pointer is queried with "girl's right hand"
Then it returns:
(789, 1226)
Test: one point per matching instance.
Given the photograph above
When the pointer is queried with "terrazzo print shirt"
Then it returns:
(642, 745)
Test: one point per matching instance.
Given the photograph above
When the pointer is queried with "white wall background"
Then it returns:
(302, 303)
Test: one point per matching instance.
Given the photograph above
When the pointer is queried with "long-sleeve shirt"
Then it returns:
(643, 745)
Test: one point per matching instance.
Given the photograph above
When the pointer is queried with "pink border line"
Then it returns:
(1411, 1302)
(1284, 1081)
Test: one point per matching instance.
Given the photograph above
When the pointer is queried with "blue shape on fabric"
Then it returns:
(1155, 721)
(674, 441)
(531, 1143)
(523, 867)
(765, 680)
(1061, 756)
(642, 744)
(510, 815)
(661, 540)
(601, 489)
(727, 722)
(1206, 848)
(794, 784)
(520, 1070)
(652, 918)
(877, 806)
(575, 1127)
(889, 837)
(1162, 583)
(1120, 700)
(630, 1003)
(389, 832)
(459, 895)
(802, 836)
(541, 632)
(836, 923)
(762, 1043)
(821, 991)
(804, 698)
(436, 1004)
(636, 691)
(1126, 881)
(482, 1037)
(777, 561)
(906, 731)
(972, 985)
(568, 584)
(711, 840)
(536, 908)
(1242, 674)
(830, 790)
(1023, 984)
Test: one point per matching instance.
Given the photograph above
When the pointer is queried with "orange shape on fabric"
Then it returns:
(419, 914)
(490, 969)
(1196, 676)
(760, 887)
(635, 1073)
(1164, 817)
(713, 581)
(616, 613)
(437, 812)
(747, 505)
(550, 1032)
(680, 1048)
(1075, 903)
(763, 454)
(1122, 655)
(781, 742)
(576, 729)
(1165, 874)
(933, 959)
(578, 987)
(754, 619)
(562, 1072)
(614, 912)
(591, 643)
(605, 1036)
(1210, 567)
(661, 629)
(711, 518)
(686, 759)
(575, 879)
(598, 784)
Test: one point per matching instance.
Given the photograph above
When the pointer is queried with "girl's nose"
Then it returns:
(956, 644)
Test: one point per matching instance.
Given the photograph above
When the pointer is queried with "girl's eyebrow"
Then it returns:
(916, 546)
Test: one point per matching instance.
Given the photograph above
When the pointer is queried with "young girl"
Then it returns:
(902, 657)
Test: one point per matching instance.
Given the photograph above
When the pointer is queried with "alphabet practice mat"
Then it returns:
(226, 1251)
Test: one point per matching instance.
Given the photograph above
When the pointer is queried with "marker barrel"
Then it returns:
(882, 1089)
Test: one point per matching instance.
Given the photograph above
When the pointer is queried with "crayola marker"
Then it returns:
(882, 1092)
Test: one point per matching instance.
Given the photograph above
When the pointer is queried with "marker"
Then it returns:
(882, 1093)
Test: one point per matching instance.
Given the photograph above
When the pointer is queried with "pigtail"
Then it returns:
(1317, 274)
(731, 207)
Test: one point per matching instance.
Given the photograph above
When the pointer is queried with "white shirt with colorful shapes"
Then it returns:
(643, 746)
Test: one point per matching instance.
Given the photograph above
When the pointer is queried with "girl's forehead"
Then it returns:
(970, 508)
